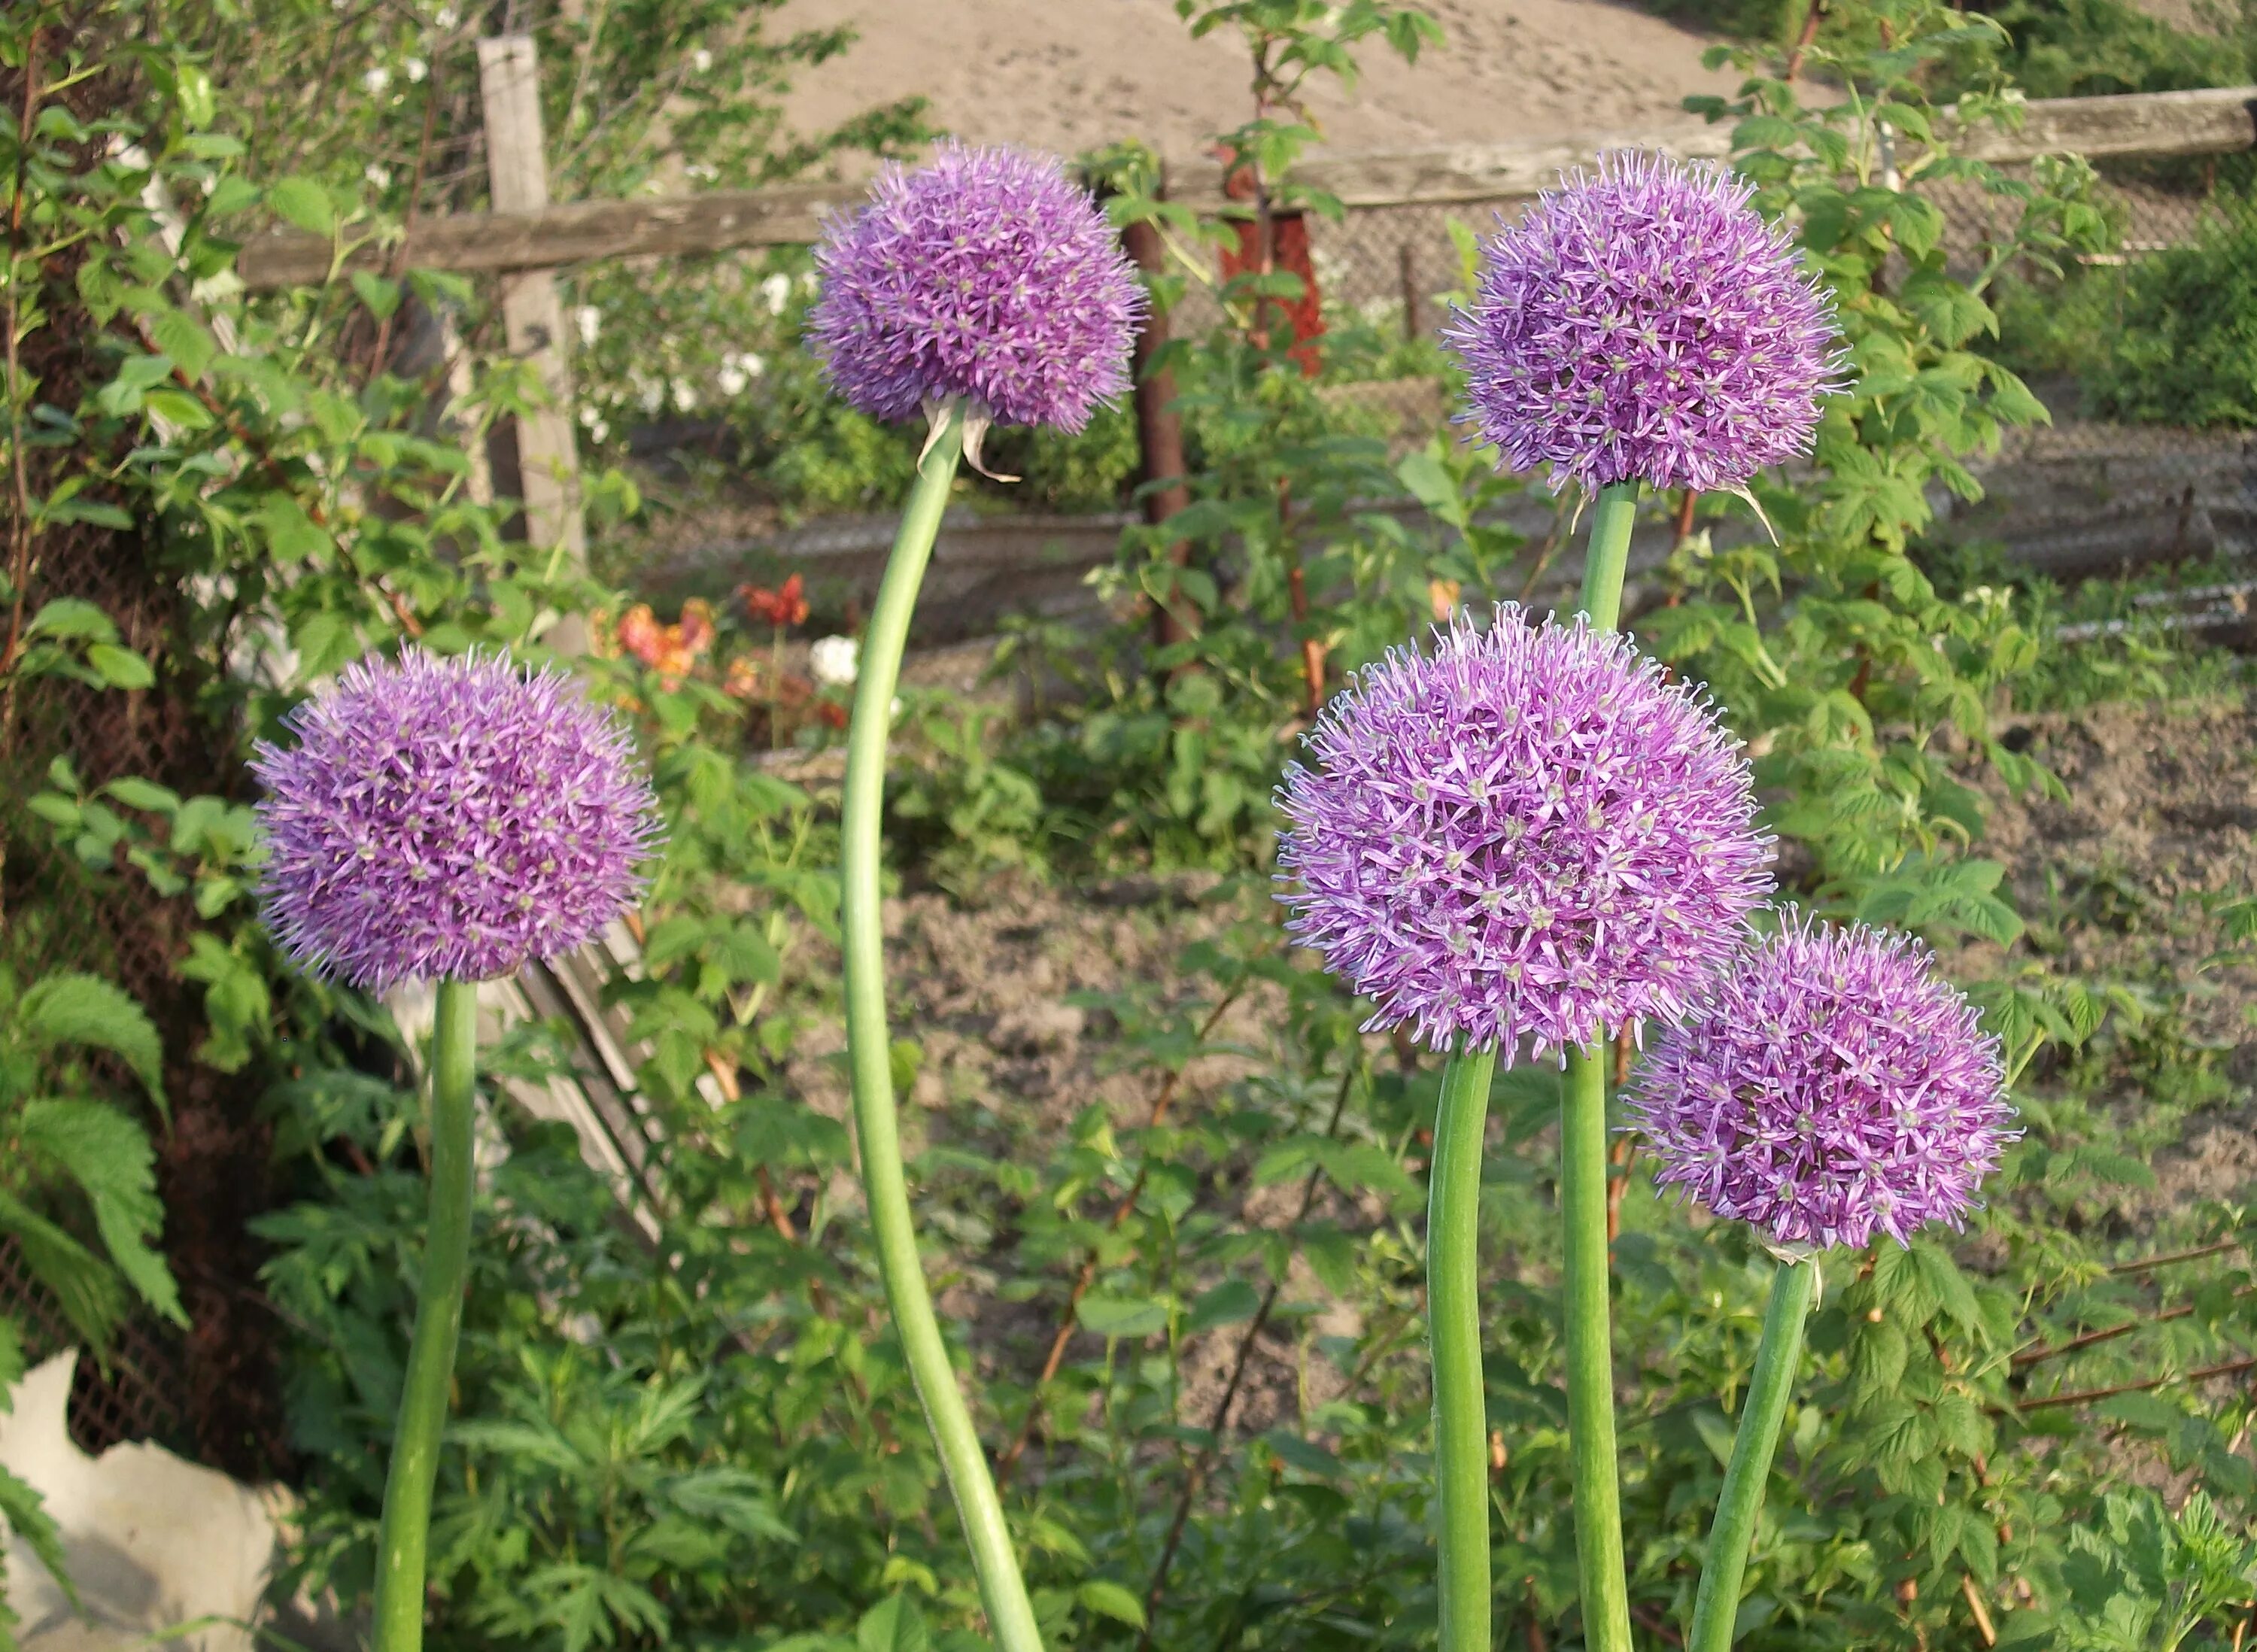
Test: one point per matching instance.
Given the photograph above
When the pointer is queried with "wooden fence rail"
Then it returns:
(2153, 123)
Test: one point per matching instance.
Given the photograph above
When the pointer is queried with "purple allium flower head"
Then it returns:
(1647, 324)
(1830, 1087)
(1526, 833)
(987, 275)
(448, 818)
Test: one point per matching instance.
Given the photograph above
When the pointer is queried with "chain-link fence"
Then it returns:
(2109, 485)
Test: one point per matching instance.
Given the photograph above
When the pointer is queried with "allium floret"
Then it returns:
(987, 276)
(1527, 833)
(1831, 1087)
(1647, 324)
(448, 818)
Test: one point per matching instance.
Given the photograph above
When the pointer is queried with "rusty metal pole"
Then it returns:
(1159, 431)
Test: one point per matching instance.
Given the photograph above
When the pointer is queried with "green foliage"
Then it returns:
(683, 1417)
(2181, 344)
(71, 1159)
(2087, 48)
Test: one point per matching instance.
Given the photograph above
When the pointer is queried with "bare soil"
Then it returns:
(1073, 74)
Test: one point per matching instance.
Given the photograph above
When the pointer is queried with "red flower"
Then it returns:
(785, 607)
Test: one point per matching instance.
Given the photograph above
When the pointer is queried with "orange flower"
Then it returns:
(641, 634)
(781, 608)
(742, 680)
(695, 629)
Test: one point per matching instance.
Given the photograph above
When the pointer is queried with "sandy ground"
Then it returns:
(1071, 75)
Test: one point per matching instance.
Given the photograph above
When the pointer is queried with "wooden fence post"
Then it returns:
(533, 316)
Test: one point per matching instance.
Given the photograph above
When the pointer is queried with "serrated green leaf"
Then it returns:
(87, 1009)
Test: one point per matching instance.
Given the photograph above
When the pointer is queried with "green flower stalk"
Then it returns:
(1830, 1090)
(444, 820)
(1465, 847)
(985, 287)
(1641, 324)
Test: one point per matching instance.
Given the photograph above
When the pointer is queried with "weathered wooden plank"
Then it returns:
(574, 232)
(2211, 121)
(533, 314)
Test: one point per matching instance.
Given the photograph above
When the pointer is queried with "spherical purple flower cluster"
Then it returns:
(1828, 1088)
(1527, 833)
(1647, 324)
(448, 818)
(987, 275)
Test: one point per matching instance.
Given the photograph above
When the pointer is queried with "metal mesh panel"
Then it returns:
(213, 1385)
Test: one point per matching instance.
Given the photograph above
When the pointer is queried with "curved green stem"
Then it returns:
(1612, 516)
(869, 1053)
(1583, 1213)
(1591, 1354)
(1717, 1607)
(1453, 1330)
(423, 1396)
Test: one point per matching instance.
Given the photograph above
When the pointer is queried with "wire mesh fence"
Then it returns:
(2113, 483)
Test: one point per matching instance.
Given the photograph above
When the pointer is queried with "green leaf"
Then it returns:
(69, 617)
(1132, 1317)
(1110, 1599)
(303, 202)
(1228, 1304)
(108, 1155)
(85, 1009)
(120, 667)
(86, 1289)
(894, 1625)
(135, 793)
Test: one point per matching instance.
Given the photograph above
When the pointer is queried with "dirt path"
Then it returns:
(1071, 74)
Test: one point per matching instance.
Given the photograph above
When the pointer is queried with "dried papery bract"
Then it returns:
(985, 288)
(1525, 834)
(1646, 324)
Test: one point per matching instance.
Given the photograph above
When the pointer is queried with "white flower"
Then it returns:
(376, 80)
(651, 392)
(589, 320)
(738, 369)
(446, 17)
(379, 177)
(833, 660)
(701, 59)
(685, 395)
(416, 70)
(593, 422)
(776, 293)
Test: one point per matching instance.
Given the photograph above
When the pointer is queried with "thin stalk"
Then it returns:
(402, 1537)
(1453, 1330)
(1589, 1349)
(1793, 1290)
(1583, 1213)
(869, 1053)
(1612, 516)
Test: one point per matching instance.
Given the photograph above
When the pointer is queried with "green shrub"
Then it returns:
(2183, 348)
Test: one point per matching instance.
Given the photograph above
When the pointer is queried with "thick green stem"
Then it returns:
(869, 1053)
(1589, 1349)
(1793, 1289)
(1612, 516)
(1454, 1331)
(424, 1394)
